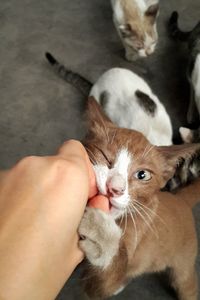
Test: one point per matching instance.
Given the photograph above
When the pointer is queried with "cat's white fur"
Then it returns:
(196, 81)
(123, 108)
(186, 133)
(105, 178)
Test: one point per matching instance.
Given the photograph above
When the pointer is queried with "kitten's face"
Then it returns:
(139, 34)
(125, 167)
(129, 170)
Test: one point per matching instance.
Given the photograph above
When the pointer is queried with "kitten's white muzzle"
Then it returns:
(116, 185)
(119, 202)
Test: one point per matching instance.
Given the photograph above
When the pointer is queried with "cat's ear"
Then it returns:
(175, 155)
(186, 134)
(152, 11)
(95, 116)
(126, 30)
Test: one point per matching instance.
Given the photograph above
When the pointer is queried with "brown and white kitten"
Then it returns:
(135, 21)
(146, 230)
(129, 102)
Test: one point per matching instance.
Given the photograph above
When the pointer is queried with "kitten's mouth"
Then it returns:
(115, 209)
(113, 203)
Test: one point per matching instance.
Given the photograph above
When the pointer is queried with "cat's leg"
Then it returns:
(185, 283)
(192, 114)
(119, 290)
(103, 247)
(130, 54)
(101, 237)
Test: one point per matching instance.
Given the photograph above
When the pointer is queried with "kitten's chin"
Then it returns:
(118, 206)
(116, 212)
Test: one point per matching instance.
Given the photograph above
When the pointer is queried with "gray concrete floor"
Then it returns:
(39, 111)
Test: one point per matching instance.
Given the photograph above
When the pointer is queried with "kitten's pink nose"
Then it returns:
(116, 185)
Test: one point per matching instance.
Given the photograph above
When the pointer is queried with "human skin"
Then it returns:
(42, 200)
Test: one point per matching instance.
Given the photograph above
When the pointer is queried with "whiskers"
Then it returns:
(146, 214)
(151, 211)
(104, 126)
(113, 137)
(124, 216)
(147, 149)
(135, 227)
(91, 155)
(147, 217)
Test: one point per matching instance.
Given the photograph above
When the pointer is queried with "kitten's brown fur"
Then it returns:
(133, 18)
(168, 241)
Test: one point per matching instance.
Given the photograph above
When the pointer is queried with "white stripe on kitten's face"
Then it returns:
(113, 182)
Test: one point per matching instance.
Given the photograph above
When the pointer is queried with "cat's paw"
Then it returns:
(101, 237)
(131, 55)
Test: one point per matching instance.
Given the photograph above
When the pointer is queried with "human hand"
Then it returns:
(42, 200)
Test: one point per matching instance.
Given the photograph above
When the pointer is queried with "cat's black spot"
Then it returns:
(146, 103)
(103, 99)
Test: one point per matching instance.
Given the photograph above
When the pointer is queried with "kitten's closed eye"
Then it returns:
(143, 175)
(109, 162)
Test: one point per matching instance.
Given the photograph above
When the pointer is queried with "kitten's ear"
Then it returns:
(126, 30)
(96, 118)
(152, 11)
(186, 134)
(174, 155)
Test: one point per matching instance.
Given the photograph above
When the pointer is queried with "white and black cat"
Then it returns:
(135, 21)
(192, 38)
(126, 99)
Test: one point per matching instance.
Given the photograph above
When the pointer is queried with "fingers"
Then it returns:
(101, 202)
(74, 150)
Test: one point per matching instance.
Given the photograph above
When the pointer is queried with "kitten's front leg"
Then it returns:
(101, 237)
(130, 54)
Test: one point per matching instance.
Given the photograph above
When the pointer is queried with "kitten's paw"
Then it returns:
(101, 237)
(131, 56)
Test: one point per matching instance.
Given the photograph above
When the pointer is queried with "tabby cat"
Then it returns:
(135, 21)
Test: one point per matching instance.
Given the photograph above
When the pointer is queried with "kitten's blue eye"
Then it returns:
(143, 175)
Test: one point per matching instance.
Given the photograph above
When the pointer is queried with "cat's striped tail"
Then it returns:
(174, 30)
(82, 84)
